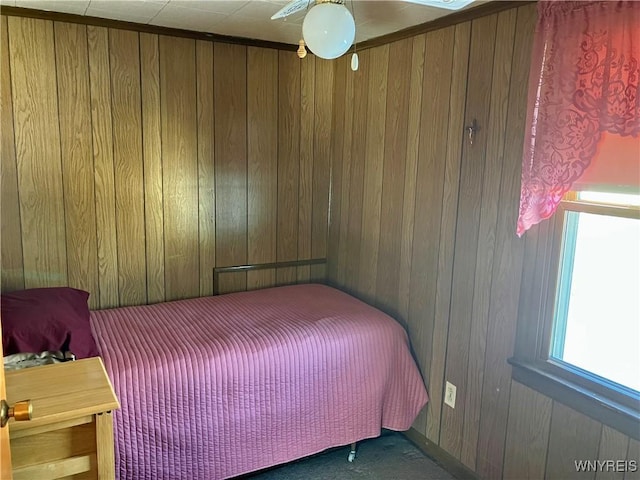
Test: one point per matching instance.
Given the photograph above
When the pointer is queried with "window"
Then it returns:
(597, 310)
(579, 323)
(578, 317)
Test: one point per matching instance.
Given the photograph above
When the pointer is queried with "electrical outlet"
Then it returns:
(450, 395)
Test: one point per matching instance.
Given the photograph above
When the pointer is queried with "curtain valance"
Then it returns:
(583, 82)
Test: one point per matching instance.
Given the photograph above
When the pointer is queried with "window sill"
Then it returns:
(602, 409)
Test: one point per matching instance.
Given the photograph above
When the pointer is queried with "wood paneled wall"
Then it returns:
(133, 163)
(423, 226)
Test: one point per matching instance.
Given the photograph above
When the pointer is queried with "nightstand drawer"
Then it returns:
(68, 435)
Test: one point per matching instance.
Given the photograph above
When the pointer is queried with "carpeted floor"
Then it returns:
(389, 457)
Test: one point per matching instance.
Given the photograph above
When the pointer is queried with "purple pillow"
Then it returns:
(43, 319)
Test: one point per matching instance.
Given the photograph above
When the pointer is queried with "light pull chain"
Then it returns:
(354, 58)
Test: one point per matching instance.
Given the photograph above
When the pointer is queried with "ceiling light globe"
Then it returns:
(328, 30)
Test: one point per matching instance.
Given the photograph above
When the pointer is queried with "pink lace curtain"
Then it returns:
(583, 82)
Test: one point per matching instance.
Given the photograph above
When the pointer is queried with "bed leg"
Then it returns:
(352, 453)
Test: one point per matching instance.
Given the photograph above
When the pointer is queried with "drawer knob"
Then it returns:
(21, 411)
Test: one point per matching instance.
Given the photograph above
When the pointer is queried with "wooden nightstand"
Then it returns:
(71, 430)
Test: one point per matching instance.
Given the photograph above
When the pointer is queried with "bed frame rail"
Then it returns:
(261, 266)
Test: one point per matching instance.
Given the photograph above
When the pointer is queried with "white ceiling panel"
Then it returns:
(260, 30)
(138, 11)
(224, 7)
(188, 19)
(394, 13)
(178, 16)
(258, 9)
(76, 7)
(243, 18)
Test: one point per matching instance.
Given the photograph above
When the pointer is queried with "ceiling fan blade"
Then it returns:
(448, 4)
(290, 8)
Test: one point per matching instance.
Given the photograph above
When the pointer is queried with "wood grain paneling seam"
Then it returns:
(508, 407)
(35, 108)
(206, 164)
(64, 209)
(276, 147)
(93, 170)
(411, 168)
(373, 173)
(305, 194)
(113, 164)
(12, 252)
(153, 172)
(102, 150)
(463, 316)
(393, 176)
(197, 158)
(288, 164)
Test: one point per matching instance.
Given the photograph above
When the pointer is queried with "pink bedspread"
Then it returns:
(216, 387)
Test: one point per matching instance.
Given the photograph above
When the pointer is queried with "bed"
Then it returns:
(217, 387)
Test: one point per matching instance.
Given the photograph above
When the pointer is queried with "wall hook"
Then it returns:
(471, 130)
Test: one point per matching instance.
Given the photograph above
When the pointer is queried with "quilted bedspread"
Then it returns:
(215, 387)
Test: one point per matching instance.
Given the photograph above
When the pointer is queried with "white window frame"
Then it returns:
(606, 401)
